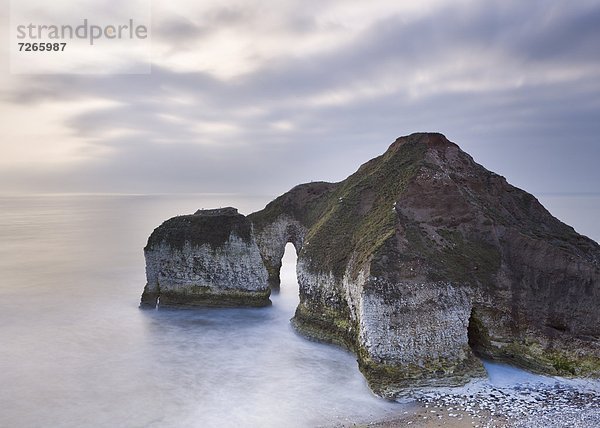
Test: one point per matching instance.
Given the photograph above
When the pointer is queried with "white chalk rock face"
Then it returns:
(209, 258)
(394, 330)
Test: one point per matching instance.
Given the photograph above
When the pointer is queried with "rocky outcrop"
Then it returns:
(209, 258)
(423, 258)
(271, 241)
(287, 219)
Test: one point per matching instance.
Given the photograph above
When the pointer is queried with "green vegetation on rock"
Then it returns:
(305, 203)
(326, 324)
(386, 380)
(359, 215)
(197, 229)
(206, 297)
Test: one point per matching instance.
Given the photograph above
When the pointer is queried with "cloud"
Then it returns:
(178, 30)
(515, 83)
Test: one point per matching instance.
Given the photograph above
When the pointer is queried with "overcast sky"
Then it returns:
(256, 96)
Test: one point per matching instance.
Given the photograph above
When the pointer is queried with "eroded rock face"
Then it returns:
(423, 258)
(209, 258)
(271, 241)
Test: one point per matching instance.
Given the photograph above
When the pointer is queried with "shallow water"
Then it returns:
(76, 351)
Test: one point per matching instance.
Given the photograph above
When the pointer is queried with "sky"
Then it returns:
(257, 96)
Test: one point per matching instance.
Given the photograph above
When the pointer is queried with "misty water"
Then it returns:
(76, 351)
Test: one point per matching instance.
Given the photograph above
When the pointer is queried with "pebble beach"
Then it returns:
(509, 398)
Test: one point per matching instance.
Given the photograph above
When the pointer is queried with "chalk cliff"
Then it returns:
(209, 258)
(422, 259)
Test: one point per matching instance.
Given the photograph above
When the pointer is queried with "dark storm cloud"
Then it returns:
(548, 123)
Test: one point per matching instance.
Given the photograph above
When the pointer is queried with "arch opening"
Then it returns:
(287, 295)
(287, 270)
(478, 336)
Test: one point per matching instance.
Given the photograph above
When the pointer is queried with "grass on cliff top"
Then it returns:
(304, 202)
(198, 230)
(358, 215)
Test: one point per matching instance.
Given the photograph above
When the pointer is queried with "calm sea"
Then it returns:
(75, 351)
